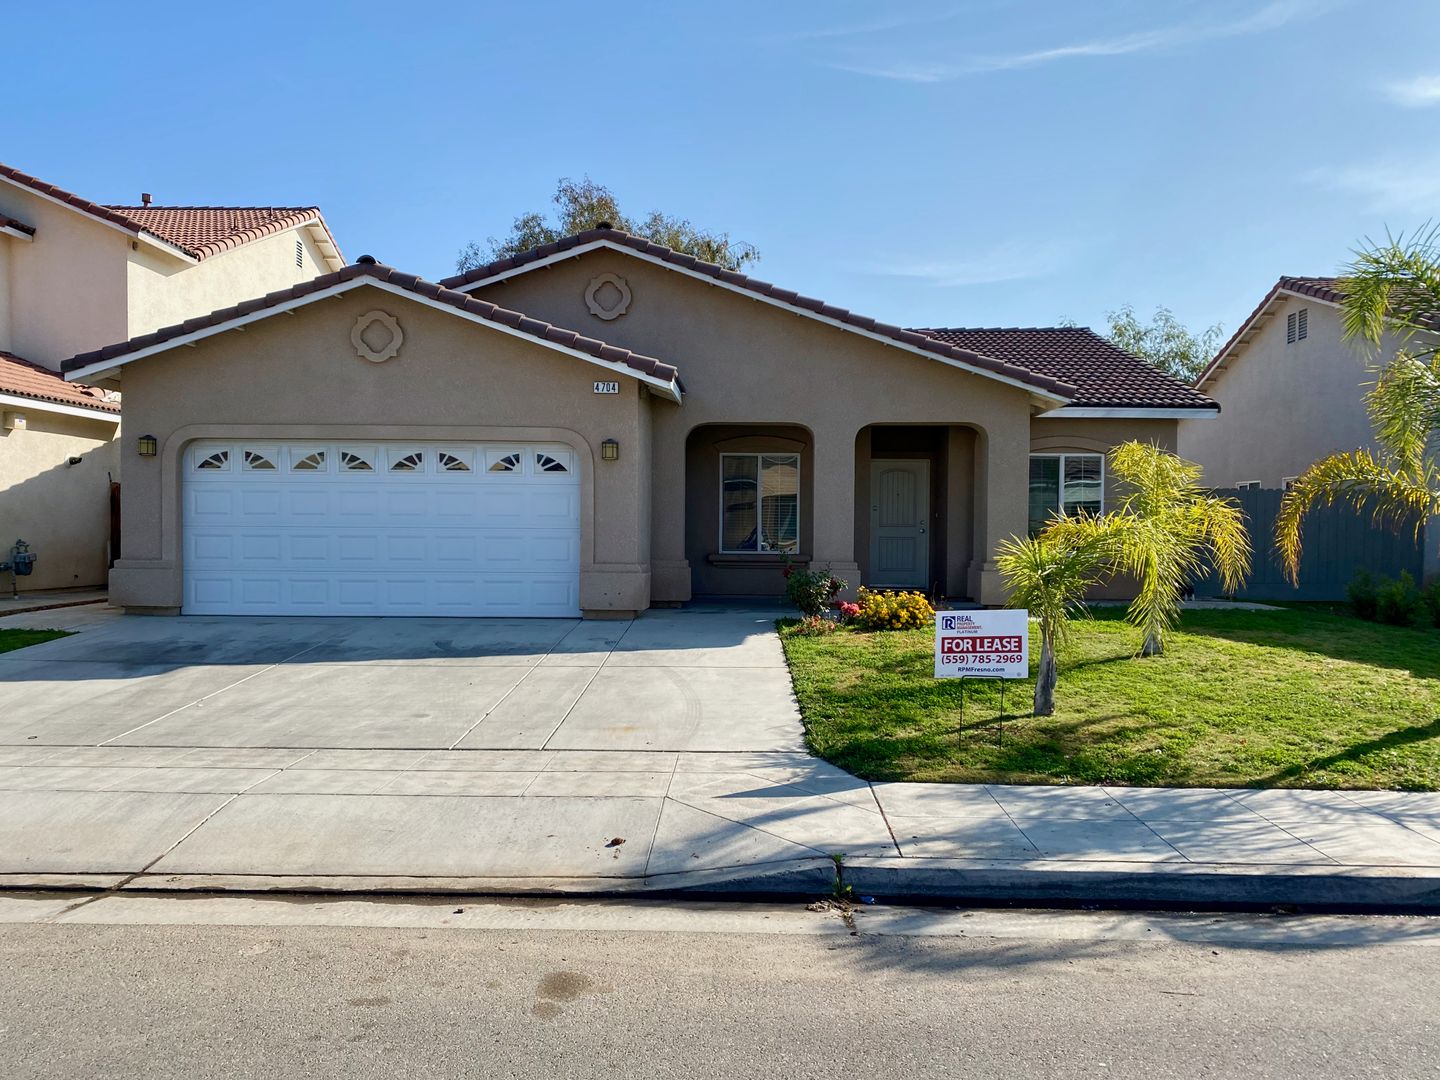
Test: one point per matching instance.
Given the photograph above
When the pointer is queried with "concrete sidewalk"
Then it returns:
(541, 821)
(559, 756)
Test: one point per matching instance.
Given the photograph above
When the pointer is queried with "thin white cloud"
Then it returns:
(1272, 16)
(1387, 185)
(874, 26)
(1006, 262)
(1414, 93)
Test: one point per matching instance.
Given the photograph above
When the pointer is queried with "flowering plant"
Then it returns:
(811, 590)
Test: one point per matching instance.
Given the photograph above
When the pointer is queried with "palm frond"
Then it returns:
(1394, 497)
(1404, 407)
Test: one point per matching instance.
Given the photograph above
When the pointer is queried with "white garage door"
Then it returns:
(381, 528)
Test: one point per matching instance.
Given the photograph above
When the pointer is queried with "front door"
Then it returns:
(899, 518)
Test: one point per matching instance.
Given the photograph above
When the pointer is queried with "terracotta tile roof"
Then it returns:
(1105, 375)
(24, 379)
(1322, 288)
(201, 231)
(930, 344)
(482, 309)
(11, 223)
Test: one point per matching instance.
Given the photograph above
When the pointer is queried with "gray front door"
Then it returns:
(899, 518)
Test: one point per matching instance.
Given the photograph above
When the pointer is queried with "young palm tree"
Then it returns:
(1393, 287)
(1166, 532)
(1050, 578)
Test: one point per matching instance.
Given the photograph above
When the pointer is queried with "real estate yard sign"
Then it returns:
(982, 644)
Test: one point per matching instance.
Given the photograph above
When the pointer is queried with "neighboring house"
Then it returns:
(1292, 390)
(652, 429)
(76, 275)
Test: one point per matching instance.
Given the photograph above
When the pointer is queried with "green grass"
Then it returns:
(1286, 698)
(18, 639)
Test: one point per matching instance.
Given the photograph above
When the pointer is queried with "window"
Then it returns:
(1065, 484)
(1297, 326)
(353, 461)
(407, 462)
(220, 459)
(760, 503)
(259, 460)
(311, 462)
(504, 463)
(1288, 482)
(1248, 485)
(453, 462)
(547, 463)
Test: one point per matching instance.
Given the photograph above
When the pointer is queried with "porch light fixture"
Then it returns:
(147, 445)
(609, 450)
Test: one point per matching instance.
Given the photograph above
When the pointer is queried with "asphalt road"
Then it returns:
(988, 996)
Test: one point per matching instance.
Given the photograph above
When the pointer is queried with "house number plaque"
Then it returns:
(607, 387)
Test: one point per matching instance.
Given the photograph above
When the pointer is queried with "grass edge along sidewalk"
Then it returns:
(1286, 698)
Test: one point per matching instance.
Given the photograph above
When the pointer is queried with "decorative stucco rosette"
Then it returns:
(377, 336)
(607, 296)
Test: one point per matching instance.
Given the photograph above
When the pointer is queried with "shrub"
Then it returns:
(848, 611)
(893, 610)
(1363, 594)
(1431, 598)
(811, 590)
(1398, 602)
(811, 626)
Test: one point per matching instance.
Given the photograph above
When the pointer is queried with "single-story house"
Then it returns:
(596, 426)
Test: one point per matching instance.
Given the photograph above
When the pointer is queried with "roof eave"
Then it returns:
(1062, 393)
(11, 399)
(1132, 412)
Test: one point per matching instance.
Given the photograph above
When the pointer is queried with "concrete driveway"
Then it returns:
(672, 681)
(330, 751)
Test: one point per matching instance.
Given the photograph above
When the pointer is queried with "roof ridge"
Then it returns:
(197, 206)
(413, 283)
(789, 297)
(1005, 329)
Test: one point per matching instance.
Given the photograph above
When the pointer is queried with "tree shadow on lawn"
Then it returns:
(1389, 741)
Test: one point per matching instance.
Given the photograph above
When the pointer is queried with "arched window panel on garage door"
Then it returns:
(211, 459)
(404, 459)
(505, 460)
(309, 459)
(552, 461)
(357, 458)
(259, 458)
(455, 460)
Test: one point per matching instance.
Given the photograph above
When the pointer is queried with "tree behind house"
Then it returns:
(1164, 341)
(584, 204)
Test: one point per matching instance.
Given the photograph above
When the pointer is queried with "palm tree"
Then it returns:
(1166, 532)
(1050, 578)
(1390, 288)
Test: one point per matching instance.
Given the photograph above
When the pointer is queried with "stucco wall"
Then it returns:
(1283, 406)
(164, 291)
(67, 286)
(63, 510)
(747, 362)
(298, 377)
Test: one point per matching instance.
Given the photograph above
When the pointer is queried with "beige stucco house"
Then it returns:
(77, 275)
(1292, 390)
(651, 429)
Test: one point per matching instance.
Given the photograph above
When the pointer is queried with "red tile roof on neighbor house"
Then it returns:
(1105, 375)
(20, 226)
(24, 379)
(542, 331)
(1025, 376)
(198, 231)
(201, 231)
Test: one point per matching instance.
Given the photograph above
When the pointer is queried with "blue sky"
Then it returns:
(981, 163)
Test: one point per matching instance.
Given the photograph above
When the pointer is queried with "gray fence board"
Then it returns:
(1338, 542)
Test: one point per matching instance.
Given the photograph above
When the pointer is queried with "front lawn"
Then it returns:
(1292, 698)
(18, 639)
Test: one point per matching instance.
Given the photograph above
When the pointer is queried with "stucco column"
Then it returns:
(1002, 486)
(833, 533)
(670, 581)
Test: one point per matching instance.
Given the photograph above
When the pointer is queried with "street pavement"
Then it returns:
(161, 986)
(664, 753)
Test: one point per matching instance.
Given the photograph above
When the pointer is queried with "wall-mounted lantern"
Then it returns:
(609, 450)
(147, 445)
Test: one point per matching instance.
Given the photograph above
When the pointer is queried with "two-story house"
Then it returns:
(1291, 390)
(75, 275)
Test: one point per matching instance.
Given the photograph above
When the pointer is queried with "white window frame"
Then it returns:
(1060, 491)
(1287, 482)
(1247, 485)
(757, 455)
